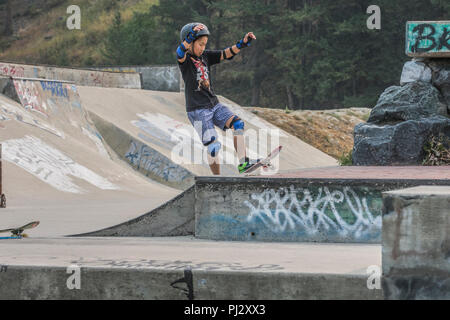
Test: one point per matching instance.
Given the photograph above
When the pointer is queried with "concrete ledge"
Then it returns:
(184, 268)
(292, 209)
(156, 77)
(83, 77)
(42, 283)
(416, 243)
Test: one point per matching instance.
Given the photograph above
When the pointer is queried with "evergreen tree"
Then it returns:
(308, 54)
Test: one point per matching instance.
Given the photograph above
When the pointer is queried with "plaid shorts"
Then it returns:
(204, 121)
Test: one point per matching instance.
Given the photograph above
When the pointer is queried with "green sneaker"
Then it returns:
(247, 164)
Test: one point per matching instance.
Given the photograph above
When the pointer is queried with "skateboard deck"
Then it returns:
(17, 233)
(265, 162)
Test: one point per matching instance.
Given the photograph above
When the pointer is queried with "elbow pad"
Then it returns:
(232, 53)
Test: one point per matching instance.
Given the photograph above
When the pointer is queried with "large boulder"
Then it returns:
(398, 144)
(412, 101)
(441, 78)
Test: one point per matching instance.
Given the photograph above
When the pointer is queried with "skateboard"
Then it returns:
(264, 163)
(17, 233)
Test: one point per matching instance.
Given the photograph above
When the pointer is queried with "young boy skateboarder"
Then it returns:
(203, 108)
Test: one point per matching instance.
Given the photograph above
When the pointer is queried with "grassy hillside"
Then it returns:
(41, 34)
(330, 131)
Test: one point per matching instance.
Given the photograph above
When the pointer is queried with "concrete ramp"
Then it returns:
(57, 168)
(157, 121)
(174, 218)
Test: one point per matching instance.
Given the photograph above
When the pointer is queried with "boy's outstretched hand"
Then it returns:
(249, 35)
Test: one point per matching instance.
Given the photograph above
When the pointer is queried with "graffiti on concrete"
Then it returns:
(79, 76)
(12, 70)
(176, 265)
(56, 88)
(291, 209)
(178, 136)
(97, 78)
(30, 97)
(51, 165)
(58, 103)
(425, 37)
(158, 78)
(166, 78)
(10, 111)
(151, 162)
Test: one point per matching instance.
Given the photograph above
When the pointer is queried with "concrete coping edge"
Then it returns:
(277, 180)
(36, 79)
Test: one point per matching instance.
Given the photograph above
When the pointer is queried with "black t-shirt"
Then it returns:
(197, 80)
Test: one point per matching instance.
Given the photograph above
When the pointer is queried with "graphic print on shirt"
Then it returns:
(202, 75)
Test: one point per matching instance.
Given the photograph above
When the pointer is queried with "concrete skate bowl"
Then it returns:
(60, 134)
(57, 168)
(139, 124)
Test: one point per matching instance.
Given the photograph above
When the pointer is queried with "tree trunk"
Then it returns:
(291, 104)
(256, 93)
(218, 39)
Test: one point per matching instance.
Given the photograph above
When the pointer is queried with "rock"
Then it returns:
(413, 101)
(415, 71)
(398, 144)
(441, 78)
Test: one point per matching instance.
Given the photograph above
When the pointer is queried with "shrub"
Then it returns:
(437, 151)
(346, 159)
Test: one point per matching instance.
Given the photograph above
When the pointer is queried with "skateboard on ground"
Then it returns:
(265, 163)
(17, 233)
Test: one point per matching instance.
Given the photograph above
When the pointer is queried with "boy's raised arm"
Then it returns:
(187, 43)
(181, 51)
(230, 52)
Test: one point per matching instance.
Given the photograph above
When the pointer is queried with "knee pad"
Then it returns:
(213, 148)
(238, 126)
